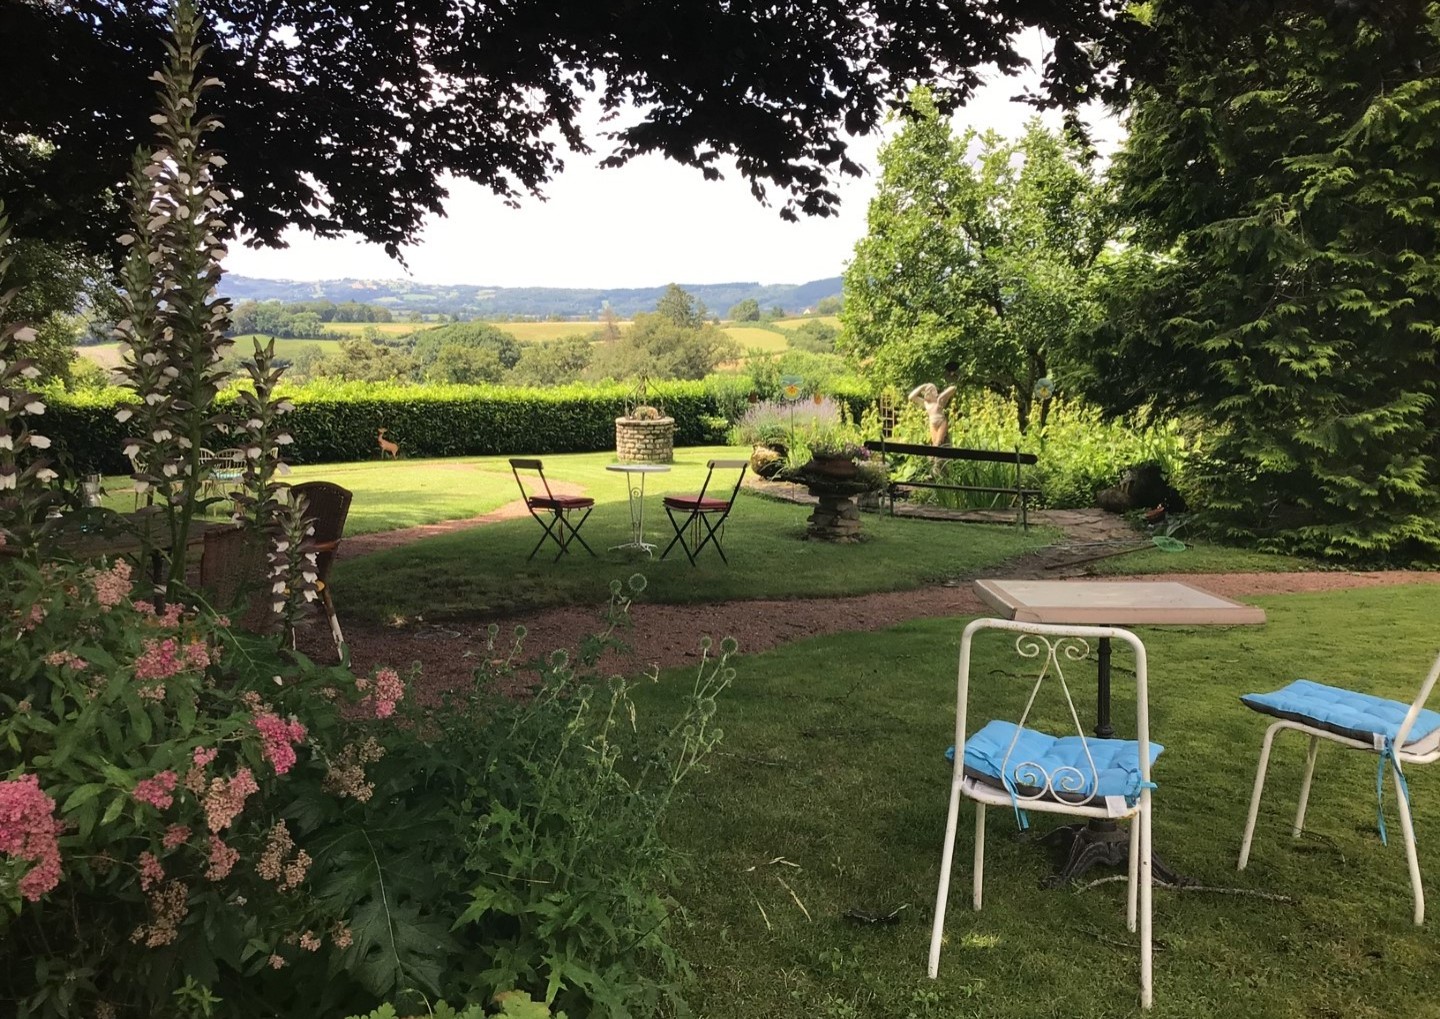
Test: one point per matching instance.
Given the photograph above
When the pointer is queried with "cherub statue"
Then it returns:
(934, 402)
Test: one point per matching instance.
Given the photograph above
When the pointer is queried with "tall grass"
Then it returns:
(1079, 450)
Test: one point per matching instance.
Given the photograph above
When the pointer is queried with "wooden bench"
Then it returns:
(1017, 491)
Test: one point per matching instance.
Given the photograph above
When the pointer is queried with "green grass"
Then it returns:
(389, 494)
(756, 338)
(475, 573)
(832, 763)
(1200, 557)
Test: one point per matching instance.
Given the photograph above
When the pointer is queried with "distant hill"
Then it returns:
(541, 302)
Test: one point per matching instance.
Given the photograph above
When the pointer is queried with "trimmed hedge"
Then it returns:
(338, 421)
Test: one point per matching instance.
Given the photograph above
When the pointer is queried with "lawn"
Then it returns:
(389, 494)
(830, 795)
(477, 573)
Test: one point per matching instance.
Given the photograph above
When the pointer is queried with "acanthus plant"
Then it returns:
(25, 474)
(174, 325)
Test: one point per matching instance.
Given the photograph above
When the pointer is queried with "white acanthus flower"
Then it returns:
(24, 334)
(283, 439)
(124, 414)
(142, 487)
(35, 407)
(39, 441)
(170, 470)
(252, 452)
(284, 407)
(5, 441)
(161, 434)
(282, 468)
(46, 474)
(4, 403)
(152, 358)
(278, 587)
(6, 480)
(153, 398)
(30, 371)
(131, 448)
(254, 424)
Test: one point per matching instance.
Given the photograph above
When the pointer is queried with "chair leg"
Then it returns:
(1255, 795)
(1146, 879)
(1132, 892)
(679, 535)
(1305, 787)
(1411, 857)
(335, 633)
(947, 857)
(979, 854)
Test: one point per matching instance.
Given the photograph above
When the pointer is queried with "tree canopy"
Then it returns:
(1284, 286)
(978, 257)
(349, 117)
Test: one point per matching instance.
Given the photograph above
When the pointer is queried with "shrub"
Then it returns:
(337, 421)
(1079, 450)
(279, 838)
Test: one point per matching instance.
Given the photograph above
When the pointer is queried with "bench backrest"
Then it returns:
(950, 452)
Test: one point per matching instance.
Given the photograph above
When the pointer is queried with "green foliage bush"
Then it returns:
(1080, 451)
(248, 833)
(337, 421)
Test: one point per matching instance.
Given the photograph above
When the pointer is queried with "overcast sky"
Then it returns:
(648, 223)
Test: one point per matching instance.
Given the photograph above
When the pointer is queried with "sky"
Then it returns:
(645, 224)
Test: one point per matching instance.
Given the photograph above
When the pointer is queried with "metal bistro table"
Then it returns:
(637, 503)
(1109, 603)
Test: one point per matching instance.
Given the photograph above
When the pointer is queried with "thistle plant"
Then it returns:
(174, 325)
(25, 477)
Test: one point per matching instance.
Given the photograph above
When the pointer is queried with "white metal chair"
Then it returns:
(1398, 733)
(221, 473)
(1007, 765)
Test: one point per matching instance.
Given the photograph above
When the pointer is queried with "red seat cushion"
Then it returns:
(561, 502)
(691, 502)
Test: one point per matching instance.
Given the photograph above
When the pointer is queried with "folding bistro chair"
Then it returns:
(326, 507)
(1394, 731)
(689, 512)
(559, 528)
(1007, 765)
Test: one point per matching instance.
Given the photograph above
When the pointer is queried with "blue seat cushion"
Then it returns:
(1360, 716)
(1062, 758)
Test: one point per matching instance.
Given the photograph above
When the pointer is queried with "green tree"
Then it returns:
(978, 254)
(467, 365)
(554, 363)
(747, 310)
(363, 361)
(829, 306)
(1283, 188)
(672, 342)
(504, 349)
(813, 336)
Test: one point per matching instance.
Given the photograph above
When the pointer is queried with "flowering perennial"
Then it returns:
(28, 831)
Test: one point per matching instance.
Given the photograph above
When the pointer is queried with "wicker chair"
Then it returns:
(326, 507)
(234, 572)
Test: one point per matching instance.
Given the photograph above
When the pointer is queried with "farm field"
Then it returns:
(107, 355)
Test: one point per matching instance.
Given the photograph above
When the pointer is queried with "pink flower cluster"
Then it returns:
(60, 659)
(279, 737)
(157, 791)
(175, 836)
(152, 871)
(28, 830)
(112, 586)
(170, 617)
(222, 859)
(389, 691)
(225, 800)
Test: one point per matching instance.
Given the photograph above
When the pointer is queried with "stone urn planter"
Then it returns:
(829, 466)
(644, 436)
